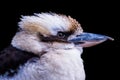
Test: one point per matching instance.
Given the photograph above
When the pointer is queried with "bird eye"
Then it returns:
(61, 35)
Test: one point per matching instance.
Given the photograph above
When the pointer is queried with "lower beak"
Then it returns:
(89, 39)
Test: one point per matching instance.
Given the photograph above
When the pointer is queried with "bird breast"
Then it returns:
(60, 65)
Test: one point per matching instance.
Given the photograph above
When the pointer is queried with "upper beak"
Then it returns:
(89, 39)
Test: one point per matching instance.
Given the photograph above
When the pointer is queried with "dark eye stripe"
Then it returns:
(60, 37)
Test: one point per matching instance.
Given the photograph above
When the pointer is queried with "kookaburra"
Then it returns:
(48, 46)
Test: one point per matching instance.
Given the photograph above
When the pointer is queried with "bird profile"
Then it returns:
(48, 46)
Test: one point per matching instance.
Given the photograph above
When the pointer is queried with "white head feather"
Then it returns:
(47, 24)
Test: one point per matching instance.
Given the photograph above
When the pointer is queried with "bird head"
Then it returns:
(43, 31)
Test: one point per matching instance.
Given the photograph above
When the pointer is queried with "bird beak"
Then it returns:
(89, 39)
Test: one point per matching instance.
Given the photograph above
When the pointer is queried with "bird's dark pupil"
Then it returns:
(61, 35)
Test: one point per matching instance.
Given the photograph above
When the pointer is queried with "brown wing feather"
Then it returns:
(11, 58)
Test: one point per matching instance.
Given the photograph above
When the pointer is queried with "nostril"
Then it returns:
(77, 35)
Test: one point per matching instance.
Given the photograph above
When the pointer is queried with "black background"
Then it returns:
(101, 61)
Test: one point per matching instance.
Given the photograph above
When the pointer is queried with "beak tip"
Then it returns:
(110, 38)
